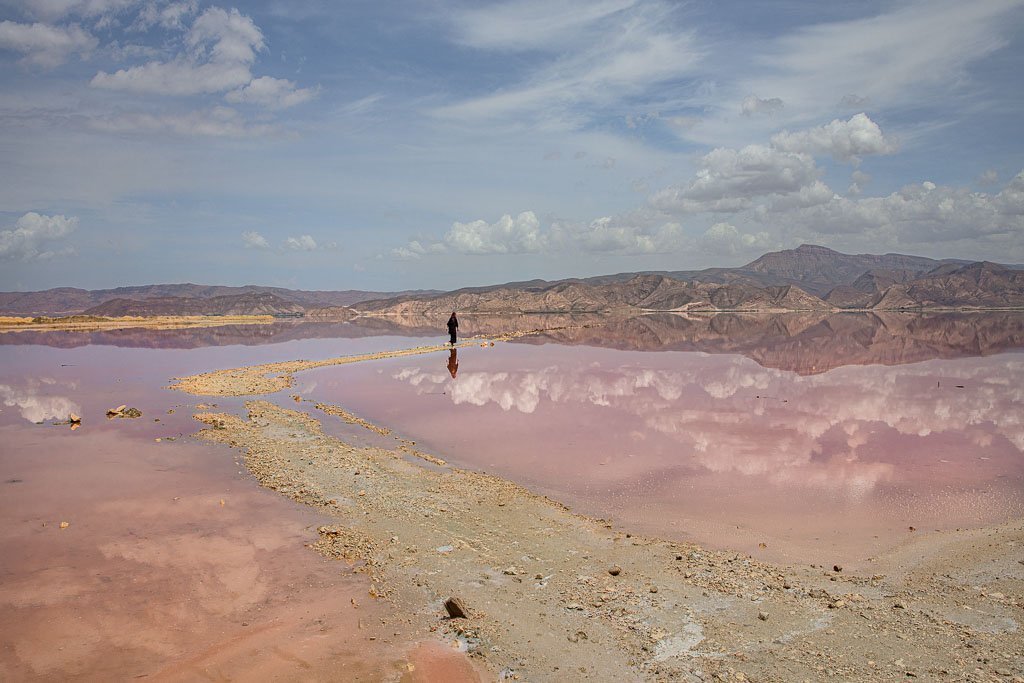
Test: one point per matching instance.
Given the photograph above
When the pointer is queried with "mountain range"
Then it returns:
(808, 278)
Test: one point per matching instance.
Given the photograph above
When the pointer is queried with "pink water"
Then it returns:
(716, 448)
(173, 564)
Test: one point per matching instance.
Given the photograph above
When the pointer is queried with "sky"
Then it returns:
(387, 146)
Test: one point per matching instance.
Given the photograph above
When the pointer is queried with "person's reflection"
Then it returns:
(453, 362)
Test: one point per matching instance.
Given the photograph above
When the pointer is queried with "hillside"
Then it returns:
(70, 300)
(808, 278)
(250, 303)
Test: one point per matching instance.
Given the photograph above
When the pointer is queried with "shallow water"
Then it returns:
(827, 467)
(805, 438)
(173, 563)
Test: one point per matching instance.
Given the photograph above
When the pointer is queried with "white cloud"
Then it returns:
(754, 105)
(617, 60)
(507, 235)
(858, 179)
(51, 10)
(170, 16)
(273, 93)
(532, 24)
(728, 180)
(894, 58)
(844, 140)
(725, 238)
(35, 407)
(989, 177)
(222, 47)
(214, 122)
(254, 240)
(628, 234)
(32, 236)
(917, 214)
(300, 243)
(43, 45)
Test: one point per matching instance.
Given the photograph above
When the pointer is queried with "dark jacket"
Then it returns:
(453, 324)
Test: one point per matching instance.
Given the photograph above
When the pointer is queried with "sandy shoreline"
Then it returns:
(95, 323)
(548, 604)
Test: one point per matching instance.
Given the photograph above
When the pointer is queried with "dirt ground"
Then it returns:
(555, 596)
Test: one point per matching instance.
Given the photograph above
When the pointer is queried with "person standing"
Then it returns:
(453, 327)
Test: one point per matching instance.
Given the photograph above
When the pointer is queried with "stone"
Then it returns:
(837, 568)
(455, 608)
(654, 589)
(763, 616)
(74, 419)
(615, 570)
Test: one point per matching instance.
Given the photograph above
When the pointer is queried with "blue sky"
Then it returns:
(328, 145)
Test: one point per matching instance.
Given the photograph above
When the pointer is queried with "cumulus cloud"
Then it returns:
(754, 105)
(273, 93)
(858, 179)
(300, 243)
(844, 140)
(920, 213)
(43, 45)
(728, 179)
(33, 236)
(507, 235)
(725, 238)
(416, 249)
(213, 122)
(629, 234)
(254, 240)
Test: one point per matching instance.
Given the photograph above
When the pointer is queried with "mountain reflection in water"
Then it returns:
(806, 343)
(720, 448)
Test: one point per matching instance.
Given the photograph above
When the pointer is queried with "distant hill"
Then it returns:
(70, 300)
(820, 269)
(808, 278)
(249, 303)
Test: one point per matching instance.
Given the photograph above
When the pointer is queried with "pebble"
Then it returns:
(615, 570)
(456, 609)
(763, 616)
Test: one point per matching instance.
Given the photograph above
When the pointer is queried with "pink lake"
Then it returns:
(820, 468)
(174, 564)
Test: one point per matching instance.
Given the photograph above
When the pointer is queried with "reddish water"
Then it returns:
(716, 448)
(174, 564)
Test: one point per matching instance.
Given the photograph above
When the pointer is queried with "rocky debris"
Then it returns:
(74, 419)
(123, 411)
(763, 616)
(456, 608)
